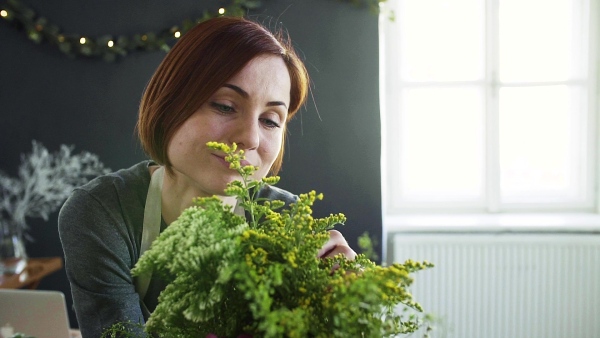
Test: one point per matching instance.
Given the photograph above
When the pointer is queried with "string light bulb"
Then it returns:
(4, 13)
(221, 10)
(82, 41)
(177, 34)
(110, 43)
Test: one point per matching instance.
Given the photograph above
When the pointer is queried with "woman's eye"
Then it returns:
(270, 123)
(223, 108)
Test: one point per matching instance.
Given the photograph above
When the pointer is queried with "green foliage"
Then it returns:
(227, 276)
(123, 330)
(110, 47)
(366, 245)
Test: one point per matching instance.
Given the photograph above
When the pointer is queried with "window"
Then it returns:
(489, 106)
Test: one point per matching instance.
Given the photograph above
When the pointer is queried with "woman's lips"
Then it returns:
(221, 159)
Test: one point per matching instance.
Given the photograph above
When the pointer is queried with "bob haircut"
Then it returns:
(198, 65)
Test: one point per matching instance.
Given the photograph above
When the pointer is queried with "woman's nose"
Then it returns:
(247, 134)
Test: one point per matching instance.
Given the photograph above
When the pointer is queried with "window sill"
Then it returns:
(487, 223)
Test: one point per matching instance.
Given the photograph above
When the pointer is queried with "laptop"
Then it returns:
(36, 313)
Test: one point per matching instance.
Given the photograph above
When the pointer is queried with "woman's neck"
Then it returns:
(178, 195)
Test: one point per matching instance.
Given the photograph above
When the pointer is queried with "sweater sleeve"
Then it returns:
(100, 251)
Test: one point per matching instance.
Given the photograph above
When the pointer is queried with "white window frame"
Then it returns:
(491, 217)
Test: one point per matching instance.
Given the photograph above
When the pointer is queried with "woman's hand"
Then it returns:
(337, 244)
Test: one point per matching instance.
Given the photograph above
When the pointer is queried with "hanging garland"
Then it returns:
(108, 47)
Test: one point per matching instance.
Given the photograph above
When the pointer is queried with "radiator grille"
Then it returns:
(508, 285)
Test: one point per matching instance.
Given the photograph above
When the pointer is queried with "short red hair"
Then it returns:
(198, 65)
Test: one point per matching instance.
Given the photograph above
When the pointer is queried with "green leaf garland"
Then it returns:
(110, 47)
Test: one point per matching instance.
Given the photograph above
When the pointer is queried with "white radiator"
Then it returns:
(506, 285)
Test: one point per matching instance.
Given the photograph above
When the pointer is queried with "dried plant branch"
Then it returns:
(44, 181)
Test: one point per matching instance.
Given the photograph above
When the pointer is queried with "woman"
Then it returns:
(226, 80)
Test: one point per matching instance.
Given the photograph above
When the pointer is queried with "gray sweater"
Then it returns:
(100, 227)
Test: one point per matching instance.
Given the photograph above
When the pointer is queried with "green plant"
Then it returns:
(45, 180)
(227, 276)
(366, 245)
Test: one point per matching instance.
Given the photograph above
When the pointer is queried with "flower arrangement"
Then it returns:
(44, 181)
(228, 277)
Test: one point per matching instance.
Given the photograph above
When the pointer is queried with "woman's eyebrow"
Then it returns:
(245, 95)
(238, 90)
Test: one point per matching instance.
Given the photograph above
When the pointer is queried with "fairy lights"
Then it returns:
(109, 47)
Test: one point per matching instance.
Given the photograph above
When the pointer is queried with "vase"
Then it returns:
(13, 258)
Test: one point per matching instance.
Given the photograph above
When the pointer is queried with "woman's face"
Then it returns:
(251, 110)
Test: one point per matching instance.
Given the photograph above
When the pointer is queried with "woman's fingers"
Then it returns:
(335, 239)
(341, 249)
(337, 244)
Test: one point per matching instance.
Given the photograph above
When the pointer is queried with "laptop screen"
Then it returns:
(37, 313)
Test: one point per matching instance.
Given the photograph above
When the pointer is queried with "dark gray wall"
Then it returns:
(333, 144)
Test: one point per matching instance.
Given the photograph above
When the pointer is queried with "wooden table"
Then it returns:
(36, 269)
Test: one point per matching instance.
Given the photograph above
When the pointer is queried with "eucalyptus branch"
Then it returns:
(44, 181)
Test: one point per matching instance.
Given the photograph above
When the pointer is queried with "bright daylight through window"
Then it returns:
(489, 106)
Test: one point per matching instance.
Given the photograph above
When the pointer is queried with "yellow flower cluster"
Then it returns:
(227, 276)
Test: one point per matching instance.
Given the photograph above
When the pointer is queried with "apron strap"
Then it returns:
(151, 229)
